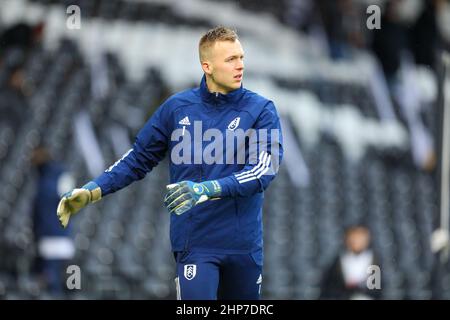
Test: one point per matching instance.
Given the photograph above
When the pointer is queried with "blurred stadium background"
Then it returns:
(361, 118)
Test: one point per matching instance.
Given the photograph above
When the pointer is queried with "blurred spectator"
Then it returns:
(299, 14)
(342, 21)
(416, 26)
(409, 35)
(333, 24)
(348, 274)
(15, 44)
(18, 35)
(425, 36)
(55, 246)
(21, 35)
(13, 103)
(390, 40)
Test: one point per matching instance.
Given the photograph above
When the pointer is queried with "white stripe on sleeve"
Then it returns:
(261, 168)
(118, 161)
(262, 158)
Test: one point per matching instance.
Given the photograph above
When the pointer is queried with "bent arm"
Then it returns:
(267, 149)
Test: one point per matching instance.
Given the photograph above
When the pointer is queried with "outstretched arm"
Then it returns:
(148, 150)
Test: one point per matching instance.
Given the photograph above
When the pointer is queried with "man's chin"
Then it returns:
(232, 86)
(236, 85)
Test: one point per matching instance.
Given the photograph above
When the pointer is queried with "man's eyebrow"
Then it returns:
(235, 56)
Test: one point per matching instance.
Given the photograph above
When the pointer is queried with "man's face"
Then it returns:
(358, 240)
(225, 64)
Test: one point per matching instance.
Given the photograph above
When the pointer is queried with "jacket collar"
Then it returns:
(219, 98)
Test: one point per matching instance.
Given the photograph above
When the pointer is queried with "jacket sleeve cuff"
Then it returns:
(103, 181)
(228, 185)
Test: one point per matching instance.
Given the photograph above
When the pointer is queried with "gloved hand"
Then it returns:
(72, 201)
(183, 195)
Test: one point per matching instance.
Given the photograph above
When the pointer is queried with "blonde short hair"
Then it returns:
(217, 34)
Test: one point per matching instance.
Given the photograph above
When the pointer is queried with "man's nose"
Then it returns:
(240, 65)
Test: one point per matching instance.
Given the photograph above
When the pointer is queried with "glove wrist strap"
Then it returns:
(95, 190)
(96, 194)
(212, 188)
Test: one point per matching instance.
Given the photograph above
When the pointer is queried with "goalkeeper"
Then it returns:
(215, 206)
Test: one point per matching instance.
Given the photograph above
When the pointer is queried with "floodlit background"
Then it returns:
(361, 105)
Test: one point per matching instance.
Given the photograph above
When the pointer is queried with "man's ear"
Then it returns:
(206, 66)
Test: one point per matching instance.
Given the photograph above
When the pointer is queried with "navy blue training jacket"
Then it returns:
(233, 223)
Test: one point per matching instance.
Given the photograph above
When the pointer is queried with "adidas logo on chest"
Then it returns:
(185, 121)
